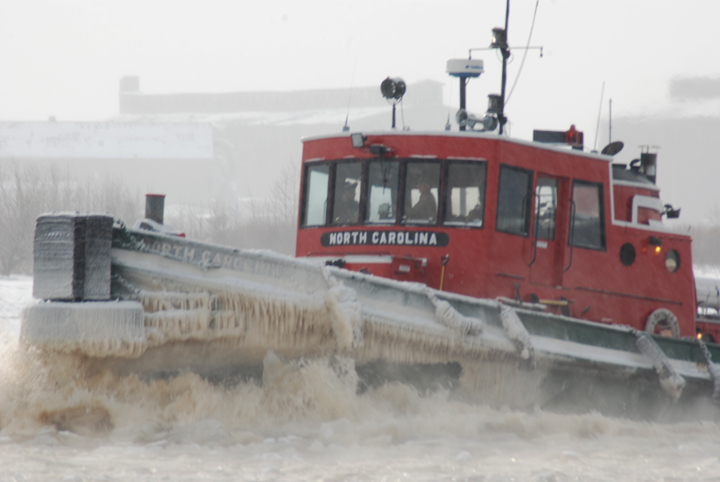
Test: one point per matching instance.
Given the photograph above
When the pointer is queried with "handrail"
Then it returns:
(535, 229)
(572, 232)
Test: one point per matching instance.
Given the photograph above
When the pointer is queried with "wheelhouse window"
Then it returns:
(587, 228)
(422, 186)
(546, 208)
(514, 196)
(316, 194)
(465, 193)
(382, 195)
(348, 186)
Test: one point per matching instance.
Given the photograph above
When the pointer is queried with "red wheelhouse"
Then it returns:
(488, 216)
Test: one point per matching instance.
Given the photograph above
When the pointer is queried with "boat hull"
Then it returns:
(231, 315)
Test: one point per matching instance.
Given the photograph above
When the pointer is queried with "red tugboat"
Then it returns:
(488, 231)
(481, 214)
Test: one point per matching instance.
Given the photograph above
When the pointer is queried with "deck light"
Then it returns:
(393, 89)
(494, 104)
(657, 243)
(358, 140)
(499, 40)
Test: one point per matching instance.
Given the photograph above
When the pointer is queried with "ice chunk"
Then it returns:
(59, 257)
(72, 256)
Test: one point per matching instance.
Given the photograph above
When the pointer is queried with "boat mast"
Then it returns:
(505, 51)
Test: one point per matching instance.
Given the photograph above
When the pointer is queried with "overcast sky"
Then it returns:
(65, 58)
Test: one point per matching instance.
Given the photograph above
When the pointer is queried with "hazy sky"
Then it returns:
(65, 58)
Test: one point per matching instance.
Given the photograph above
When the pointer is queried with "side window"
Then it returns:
(422, 187)
(587, 228)
(546, 208)
(348, 186)
(465, 193)
(382, 196)
(315, 195)
(514, 196)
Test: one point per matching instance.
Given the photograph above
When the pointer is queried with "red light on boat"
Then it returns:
(574, 137)
(657, 243)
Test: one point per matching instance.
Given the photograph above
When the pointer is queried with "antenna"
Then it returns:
(499, 42)
(610, 124)
(346, 127)
(464, 70)
(447, 125)
(597, 125)
(525, 51)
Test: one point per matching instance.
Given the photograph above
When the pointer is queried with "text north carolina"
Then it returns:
(393, 238)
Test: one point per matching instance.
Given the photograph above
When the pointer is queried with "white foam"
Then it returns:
(316, 427)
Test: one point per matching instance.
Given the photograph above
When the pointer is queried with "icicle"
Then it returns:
(713, 370)
(153, 301)
(449, 316)
(519, 335)
(345, 313)
(670, 381)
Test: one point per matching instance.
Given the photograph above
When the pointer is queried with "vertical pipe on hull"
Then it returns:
(155, 207)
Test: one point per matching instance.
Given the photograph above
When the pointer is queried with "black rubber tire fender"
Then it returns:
(663, 317)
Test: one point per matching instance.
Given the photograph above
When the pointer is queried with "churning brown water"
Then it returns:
(307, 423)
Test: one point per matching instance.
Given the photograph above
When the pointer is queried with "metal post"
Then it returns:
(610, 123)
(463, 83)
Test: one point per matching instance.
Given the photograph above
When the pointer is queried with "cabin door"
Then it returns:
(548, 236)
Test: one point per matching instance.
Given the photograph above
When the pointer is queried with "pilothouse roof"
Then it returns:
(465, 134)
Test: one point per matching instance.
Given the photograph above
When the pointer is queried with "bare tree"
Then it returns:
(284, 195)
(258, 224)
(27, 191)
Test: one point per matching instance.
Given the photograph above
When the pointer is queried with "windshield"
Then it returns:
(383, 180)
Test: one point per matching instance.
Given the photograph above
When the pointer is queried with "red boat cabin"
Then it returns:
(489, 216)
